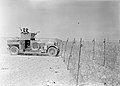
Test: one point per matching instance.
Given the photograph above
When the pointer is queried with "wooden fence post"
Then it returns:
(80, 46)
(70, 54)
(65, 50)
(93, 49)
(62, 48)
(104, 44)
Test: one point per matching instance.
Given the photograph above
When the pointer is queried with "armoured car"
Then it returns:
(28, 44)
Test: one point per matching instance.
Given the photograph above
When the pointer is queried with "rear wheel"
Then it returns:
(52, 51)
(14, 50)
(58, 52)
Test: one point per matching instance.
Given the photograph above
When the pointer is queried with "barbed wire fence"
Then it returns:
(70, 55)
(65, 49)
(80, 46)
(92, 60)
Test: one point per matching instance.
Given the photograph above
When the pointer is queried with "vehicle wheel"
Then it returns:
(52, 51)
(14, 50)
(58, 52)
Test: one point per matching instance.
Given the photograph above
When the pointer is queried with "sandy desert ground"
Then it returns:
(22, 70)
(33, 71)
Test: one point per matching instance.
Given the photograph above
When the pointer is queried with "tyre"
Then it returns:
(52, 51)
(14, 50)
(58, 52)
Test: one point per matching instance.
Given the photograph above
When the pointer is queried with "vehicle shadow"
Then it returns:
(22, 54)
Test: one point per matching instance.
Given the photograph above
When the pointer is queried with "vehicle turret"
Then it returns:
(25, 35)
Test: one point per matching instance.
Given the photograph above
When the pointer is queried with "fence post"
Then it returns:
(104, 44)
(93, 49)
(62, 48)
(80, 46)
(70, 54)
(65, 50)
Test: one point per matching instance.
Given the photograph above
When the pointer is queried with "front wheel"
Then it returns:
(52, 51)
(14, 50)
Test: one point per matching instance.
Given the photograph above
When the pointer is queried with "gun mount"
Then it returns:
(25, 35)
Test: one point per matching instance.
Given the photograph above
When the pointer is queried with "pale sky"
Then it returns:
(59, 18)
